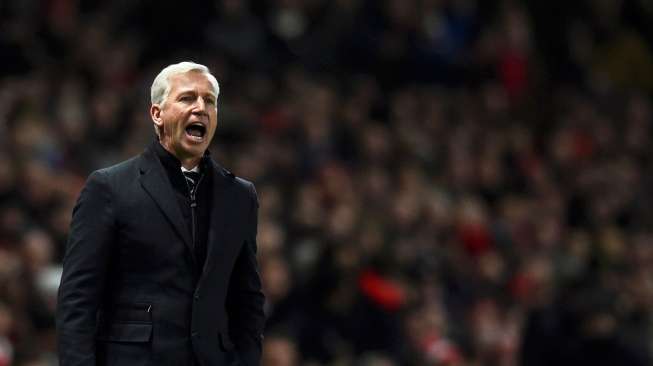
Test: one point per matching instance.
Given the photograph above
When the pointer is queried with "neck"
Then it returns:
(188, 162)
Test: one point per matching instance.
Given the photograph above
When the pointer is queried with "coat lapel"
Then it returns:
(157, 184)
(220, 226)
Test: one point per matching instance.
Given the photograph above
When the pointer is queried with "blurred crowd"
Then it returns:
(441, 182)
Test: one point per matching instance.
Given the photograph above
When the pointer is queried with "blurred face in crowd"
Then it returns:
(187, 118)
(279, 351)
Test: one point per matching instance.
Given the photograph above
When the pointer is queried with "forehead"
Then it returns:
(190, 81)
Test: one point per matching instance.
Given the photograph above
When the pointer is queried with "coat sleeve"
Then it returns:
(85, 268)
(245, 299)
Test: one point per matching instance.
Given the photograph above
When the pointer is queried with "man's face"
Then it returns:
(188, 116)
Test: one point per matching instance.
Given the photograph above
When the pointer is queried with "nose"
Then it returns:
(200, 106)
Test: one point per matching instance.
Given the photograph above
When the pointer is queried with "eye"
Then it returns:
(210, 101)
(186, 98)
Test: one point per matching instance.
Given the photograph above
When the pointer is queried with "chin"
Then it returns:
(187, 150)
(195, 151)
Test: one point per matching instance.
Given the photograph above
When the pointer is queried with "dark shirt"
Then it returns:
(203, 197)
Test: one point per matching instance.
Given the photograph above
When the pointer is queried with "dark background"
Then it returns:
(442, 182)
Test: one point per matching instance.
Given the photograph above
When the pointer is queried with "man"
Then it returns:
(160, 266)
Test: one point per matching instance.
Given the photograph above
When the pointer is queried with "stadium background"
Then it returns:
(442, 182)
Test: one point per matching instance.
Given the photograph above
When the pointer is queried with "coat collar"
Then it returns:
(157, 184)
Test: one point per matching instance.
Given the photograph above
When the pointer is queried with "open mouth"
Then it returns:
(196, 131)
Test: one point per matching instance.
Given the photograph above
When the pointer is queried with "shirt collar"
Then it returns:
(171, 162)
(195, 169)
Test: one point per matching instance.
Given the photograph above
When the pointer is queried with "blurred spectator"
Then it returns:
(280, 351)
(6, 346)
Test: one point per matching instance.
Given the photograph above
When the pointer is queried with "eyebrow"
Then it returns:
(191, 91)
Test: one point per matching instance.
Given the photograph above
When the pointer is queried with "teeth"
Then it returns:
(195, 138)
(196, 131)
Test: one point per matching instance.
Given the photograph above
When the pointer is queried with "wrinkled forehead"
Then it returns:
(193, 80)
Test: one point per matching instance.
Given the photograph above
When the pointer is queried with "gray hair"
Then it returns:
(161, 85)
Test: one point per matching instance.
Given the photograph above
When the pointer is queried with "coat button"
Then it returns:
(197, 296)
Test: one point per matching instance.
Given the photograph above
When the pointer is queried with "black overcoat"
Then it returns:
(130, 293)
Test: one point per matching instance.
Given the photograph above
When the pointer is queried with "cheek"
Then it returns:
(214, 124)
(174, 122)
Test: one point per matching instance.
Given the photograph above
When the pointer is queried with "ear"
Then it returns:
(155, 113)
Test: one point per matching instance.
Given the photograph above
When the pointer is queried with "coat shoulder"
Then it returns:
(122, 167)
(121, 172)
(241, 184)
(244, 184)
(249, 190)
